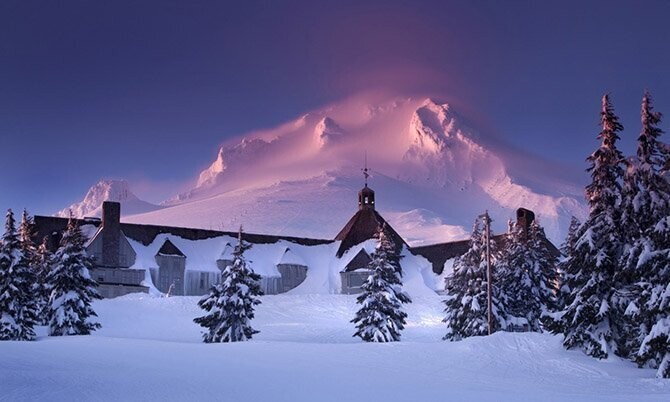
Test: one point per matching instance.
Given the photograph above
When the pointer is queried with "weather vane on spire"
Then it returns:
(365, 170)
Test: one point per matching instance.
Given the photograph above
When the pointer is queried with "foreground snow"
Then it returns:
(149, 349)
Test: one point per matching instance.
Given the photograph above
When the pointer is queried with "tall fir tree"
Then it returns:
(466, 311)
(18, 314)
(27, 233)
(588, 317)
(647, 261)
(71, 289)
(530, 277)
(230, 303)
(380, 317)
(567, 252)
(44, 260)
(646, 195)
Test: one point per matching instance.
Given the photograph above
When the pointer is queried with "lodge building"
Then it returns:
(133, 258)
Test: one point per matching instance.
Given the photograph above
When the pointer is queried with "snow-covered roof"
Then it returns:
(201, 255)
(291, 257)
(168, 248)
(227, 252)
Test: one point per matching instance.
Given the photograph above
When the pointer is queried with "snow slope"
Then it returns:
(108, 190)
(432, 171)
(149, 349)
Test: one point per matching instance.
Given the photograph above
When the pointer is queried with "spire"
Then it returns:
(365, 169)
(366, 197)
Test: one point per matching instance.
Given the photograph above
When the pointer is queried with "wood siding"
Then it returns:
(171, 271)
(352, 281)
(126, 258)
(199, 283)
(292, 275)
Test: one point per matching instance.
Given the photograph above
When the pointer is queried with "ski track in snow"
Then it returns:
(149, 349)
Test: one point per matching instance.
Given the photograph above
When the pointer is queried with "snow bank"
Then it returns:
(323, 274)
(149, 349)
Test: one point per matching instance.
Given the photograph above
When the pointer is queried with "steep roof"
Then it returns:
(360, 261)
(364, 226)
(291, 258)
(227, 253)
(168, 248)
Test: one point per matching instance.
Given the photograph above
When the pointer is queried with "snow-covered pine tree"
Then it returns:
(380, 317)
(567, 252)
(552, 320)
(71, 289)
(44, 260)
(654, 314)
(18, 315)
(646, 195)
(467, 295)
(34, 299)
(588, 316)
(647, 261)
(530, 280)
(230, 303)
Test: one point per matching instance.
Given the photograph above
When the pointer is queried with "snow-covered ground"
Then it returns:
(149, 349)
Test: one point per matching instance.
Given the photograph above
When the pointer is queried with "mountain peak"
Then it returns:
(107, 190)
(230, 156)
(217, 167)
(327, 131)
(427, 158)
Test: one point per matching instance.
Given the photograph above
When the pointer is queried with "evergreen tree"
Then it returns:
(590, 271)
(654, 350)
(71, 289)
(230, 303)
(17, 313)
(567, 252)
(27, 233)
(380, 317)
(44, 260)
(34, 299)
(646, 193)
(647, 261)
(467, 294)
(531, 279)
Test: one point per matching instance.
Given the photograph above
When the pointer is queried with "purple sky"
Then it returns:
(148, 90)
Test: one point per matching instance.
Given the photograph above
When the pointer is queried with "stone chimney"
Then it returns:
(111, 233)
(524, 218)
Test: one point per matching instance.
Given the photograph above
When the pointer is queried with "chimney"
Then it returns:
(111, 233)
(524, 218)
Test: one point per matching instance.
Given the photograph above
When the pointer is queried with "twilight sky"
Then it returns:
(147, 90)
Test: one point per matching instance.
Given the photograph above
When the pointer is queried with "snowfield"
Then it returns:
(149, 349)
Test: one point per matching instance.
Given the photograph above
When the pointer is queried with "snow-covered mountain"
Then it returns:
(433, 173)
(108, 190)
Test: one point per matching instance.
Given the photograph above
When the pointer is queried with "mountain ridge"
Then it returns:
(432, 171)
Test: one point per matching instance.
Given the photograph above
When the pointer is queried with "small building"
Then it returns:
(363, 226)
(170, 274)
(356, 273)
